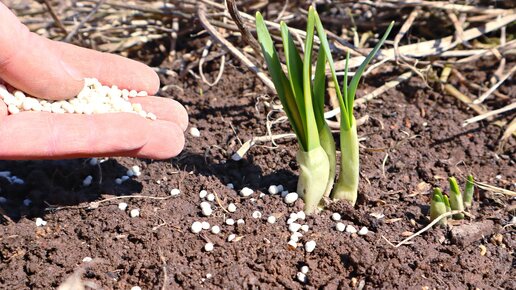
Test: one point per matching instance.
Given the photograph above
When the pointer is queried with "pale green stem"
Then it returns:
(328, 144)
(438, 206)
(313, 176)
(456, 202)
(469, 191)
(347, 184)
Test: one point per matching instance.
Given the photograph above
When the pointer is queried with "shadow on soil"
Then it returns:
(58, 183)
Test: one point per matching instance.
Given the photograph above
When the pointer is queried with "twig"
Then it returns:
(201, 11)
(404, 29)
(433, 47)
(246, 35)
(489, 114)
(96, 204)
(495, 189)
(201, 63)
(86, 19)
(54, 16)
(430, 225)
(164, 267)
(493, 88)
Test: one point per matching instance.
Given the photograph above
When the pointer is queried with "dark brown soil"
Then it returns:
(416, 126)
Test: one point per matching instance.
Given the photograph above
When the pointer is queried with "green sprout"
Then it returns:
(438, 206)
(456, 201)
(302, 98)
(469, 191)
(440, 203)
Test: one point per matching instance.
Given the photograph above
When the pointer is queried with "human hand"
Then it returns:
(55, 70)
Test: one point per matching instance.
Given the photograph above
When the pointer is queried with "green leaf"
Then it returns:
(326, 47)
(320, 89)
(358, 74)
(281, 83)
(294, 66)
(311, 127)
(469, 191)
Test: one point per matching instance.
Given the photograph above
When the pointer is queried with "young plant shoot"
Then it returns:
(456, 201)
(296, 94)
(302, 98)
(469, 191)
(347, 184)
(441, 204)
(438, 206)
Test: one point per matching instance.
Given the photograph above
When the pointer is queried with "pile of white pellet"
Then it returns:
(94, 98)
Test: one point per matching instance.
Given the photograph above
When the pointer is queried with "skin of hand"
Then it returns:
(54, 70)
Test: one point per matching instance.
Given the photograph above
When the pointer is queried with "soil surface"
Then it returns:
(412, 141)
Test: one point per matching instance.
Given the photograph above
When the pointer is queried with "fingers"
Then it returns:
(36, 135)
(165, 109)
(54, 70)
(28, 63)
(109, 69)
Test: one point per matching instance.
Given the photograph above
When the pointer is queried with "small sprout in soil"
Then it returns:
(232, 207)
(231, 237)
(302, 95)
(271, 219)
(305, 228)
(340, 227)
(335, 216)
(215, 230)
(351, 229)
(230, 222)
(202, 194)
(195, 132)
(196, 227)
(469, 191)
(363, 231)
(205, 225)
(87, 259)
(291, 197)
(87, 180)
(301, 277)
(294, 227)
(134, 212)
(441, 204)
(240, 222)
(40, 222)
(310, 246)
(122, 206)
(246, 192)
(304, 269)
(456, 202)
(27, 202)
(209, 247)
(210, 197)
(175, 192)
